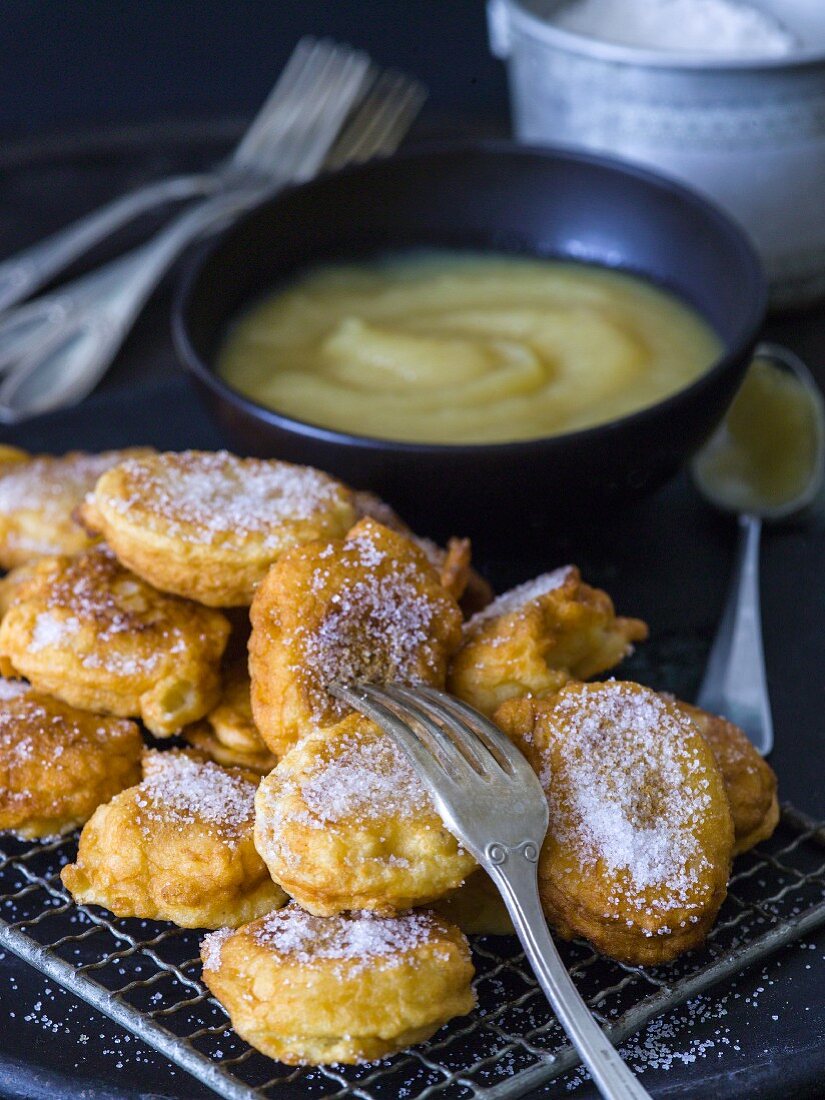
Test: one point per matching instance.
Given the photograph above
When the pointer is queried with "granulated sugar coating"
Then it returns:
(367, 607)
(50, 484)
(211, 946)
(379, 624)
(95, 589)
(204, 497)
(630, 800)
(91, 632)
(375, 630)
(11, 689)
(38, 498)
(23, 727)
(58, 764)
(29, 721)
(368, 777)
(356, 938)
(180, 789)
(519, 597)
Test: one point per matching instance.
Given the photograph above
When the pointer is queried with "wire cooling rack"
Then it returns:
(146, 976)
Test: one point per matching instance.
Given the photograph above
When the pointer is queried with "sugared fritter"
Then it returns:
(90, 632)
(208, 526)
(178, 846)
(353, 988)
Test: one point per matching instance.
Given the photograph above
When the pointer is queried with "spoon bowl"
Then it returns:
(724, 484)
(735, 681)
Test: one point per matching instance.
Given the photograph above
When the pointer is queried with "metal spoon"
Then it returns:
(734, 683)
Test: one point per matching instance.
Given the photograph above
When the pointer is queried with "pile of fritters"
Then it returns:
(215, 599)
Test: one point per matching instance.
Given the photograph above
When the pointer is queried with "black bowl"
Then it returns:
(503, 197)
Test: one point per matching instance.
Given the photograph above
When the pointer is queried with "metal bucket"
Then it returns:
(749, 134)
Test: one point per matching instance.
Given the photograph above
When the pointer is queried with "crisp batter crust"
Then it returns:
(228, 733)
(10, 456)
(344, 823)
(13, 584)
(750, 782)
(202, 738)
(638, 851)
(58, 764)
(538, 636)
(178, 846)
(353, 988)
(208, 526)
(369, 607)
(38, 497)
(452, 563)
(90, 632)
(232, 719)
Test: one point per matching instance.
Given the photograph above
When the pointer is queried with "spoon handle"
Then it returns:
(734, 684)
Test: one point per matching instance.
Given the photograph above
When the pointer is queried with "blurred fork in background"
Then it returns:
(318, 76)
(55, 349)
(311, 62)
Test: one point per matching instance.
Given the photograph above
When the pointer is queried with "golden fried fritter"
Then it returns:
(452, 563)
(476, 907)
(638, 851)
(228, 734)
(209, 525)
(90, 632)
(750, 782)
(38, 497)
(232, 719)
(352, 988)
(343, 822)
(178, 846)
(203, 739)
(11, 456)
(369, 607)
(13, 583)
(538, 636)
(58, 764)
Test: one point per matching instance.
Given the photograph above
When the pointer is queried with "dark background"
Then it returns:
(80, 63)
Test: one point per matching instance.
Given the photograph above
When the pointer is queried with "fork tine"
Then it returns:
(381, 121)
(363, 699)
(434, 740)
(479, 759)
(395, 131)
(308, 63)
(403, 100)
(307, 56)
(296, 127)
(320, 118)
(497, 743)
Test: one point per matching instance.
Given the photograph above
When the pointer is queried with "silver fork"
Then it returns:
(491, 800)
(317, 74)
(68, 339)
(56, 370)
(25, 272)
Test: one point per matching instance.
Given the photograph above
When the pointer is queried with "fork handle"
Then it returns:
(735, 682)
(68, 357)
(25, 272)
(514, 872)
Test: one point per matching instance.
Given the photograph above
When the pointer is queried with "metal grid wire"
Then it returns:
(146, 976)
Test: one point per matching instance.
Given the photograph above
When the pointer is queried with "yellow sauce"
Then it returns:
(767, 451)
(444, 347)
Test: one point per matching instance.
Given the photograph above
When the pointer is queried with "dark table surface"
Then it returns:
(666, 560)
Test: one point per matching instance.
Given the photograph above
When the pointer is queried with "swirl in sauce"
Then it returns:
(444, 347)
